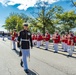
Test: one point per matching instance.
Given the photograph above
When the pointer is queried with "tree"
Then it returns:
(14, 21)
(45, 17)
(42, 6)
(67, 20)
(24, 17)
(33, 25)
(73, 2)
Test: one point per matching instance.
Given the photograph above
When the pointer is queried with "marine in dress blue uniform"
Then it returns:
(26, 41)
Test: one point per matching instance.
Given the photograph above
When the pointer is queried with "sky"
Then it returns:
(26, 7)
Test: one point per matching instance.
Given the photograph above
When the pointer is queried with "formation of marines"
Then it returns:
(67, 40)
(14, 36)
(25, 40)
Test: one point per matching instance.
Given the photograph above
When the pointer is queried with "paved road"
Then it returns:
(41, 62)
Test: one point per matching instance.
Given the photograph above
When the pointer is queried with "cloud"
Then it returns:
(24, 4)
(4, 2)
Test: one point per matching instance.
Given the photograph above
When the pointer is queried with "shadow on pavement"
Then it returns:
(32, 73)
(59, 53)
(17, 52)
(67, 55)
(4, 40)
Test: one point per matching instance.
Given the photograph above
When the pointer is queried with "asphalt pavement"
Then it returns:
(42, 62)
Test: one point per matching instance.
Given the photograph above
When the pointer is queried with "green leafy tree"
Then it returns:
(14, 21)
(73, 2)
(46, 19)
(67, 20)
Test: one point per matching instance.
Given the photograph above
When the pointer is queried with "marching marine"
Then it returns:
(33, 39)
(70, 43)
(56, 40)
(13, 38)
(3, 34)
(39, 38)
(26, 41)
(47, 39)
(65, 43)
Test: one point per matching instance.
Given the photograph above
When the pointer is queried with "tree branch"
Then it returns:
(73, 3)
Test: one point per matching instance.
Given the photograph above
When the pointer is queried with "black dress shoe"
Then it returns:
(21, 63)
(46, 49)
(65, 51)
(27, 71)
(61, 48)
(13, 49)
(69, 55)
(55, 52)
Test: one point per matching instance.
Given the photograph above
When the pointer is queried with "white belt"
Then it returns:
(24, 40)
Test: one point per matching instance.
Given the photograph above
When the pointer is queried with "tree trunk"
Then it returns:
(44, 30)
